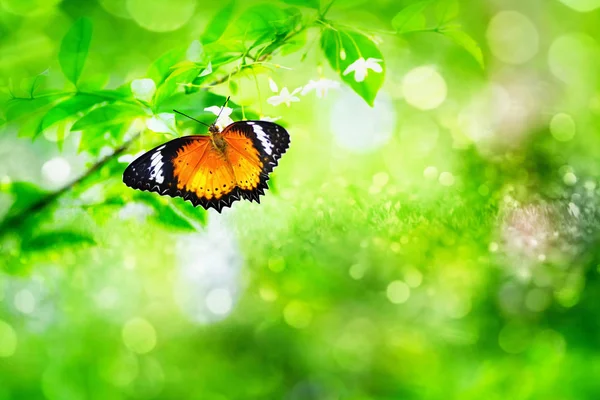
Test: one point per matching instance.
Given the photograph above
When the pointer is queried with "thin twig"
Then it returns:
(16, 220)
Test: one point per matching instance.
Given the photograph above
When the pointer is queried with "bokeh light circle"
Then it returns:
(297, 314)
(139, 335)
(360, 128)
(161, 15)
(8, 340)
(29, 7)
(117, 8)
(25, 301)
(512, 37)
(424, 88)
(56, 171)
(398, 292)
(431, 173)
(572, 58)
(219, 301)
(570, 179)
(582, 5)
(562, 127)
(446, 179)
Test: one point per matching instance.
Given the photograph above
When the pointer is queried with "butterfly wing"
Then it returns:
(254, 149)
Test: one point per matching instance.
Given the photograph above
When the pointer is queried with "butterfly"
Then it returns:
(212, 170)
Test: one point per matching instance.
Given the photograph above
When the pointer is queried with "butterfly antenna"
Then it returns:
(222, 108)
(193, 119)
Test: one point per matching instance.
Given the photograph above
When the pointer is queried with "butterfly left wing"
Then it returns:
(153, 171)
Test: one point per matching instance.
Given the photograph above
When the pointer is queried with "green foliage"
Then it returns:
(24, 196)
(110, 114)
(411, 18)
(67, 108)
(414, 18)
(218, 24)
(178, 77)
(262, 23)
(344, 47)
(465, 41)
(52, 241)
(160, 69)
(74, 49)
(316, 4)
(174, 215)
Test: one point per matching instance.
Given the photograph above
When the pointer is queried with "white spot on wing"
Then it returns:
(156, 172)
(264, 139)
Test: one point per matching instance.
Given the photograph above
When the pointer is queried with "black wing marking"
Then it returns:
(271, 140)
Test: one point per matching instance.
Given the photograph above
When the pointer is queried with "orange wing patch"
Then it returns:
(203, 170)
(244, 159)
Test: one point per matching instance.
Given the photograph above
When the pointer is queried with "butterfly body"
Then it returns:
(212, 170)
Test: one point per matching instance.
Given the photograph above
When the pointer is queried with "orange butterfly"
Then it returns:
(212, 170)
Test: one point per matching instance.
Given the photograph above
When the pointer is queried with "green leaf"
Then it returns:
(193, 103)
(188, 211)
(68, 108)
(121, 93)
(343, 48)
(465, 41)
(74, 49)
(218, 24)
(19, 108)
(95, 138)
(160, 69)
(111, 114)
(316, 4)
(446, 11)
(57, 240)
(260, 21)
(176, 81)
(411, 18)
(164, 213)
(25, 194)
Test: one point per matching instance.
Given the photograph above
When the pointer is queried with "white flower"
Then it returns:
(284, 97)
(224, 119)
(361, 68)
(321, 87)
(273, 86)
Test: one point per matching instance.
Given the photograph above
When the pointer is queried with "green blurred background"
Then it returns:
(442, 244)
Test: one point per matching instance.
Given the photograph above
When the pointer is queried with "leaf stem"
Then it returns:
(326, 10)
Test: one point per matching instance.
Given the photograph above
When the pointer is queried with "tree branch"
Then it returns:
(15, 221)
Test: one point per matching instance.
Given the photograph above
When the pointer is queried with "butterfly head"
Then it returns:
(214, 129)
